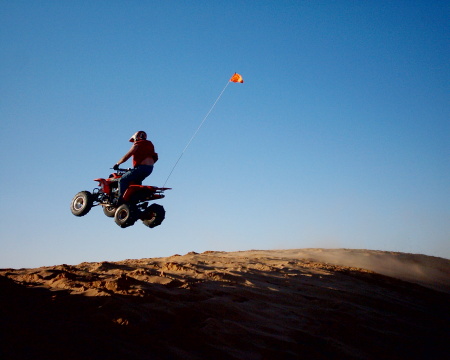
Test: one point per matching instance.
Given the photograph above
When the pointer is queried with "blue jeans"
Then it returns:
(136, 176)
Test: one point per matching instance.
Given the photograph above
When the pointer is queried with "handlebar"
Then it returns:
(121, 170)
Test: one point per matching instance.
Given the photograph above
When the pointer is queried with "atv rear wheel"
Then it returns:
(125, 215)
(82, 203)
(153, 215)
(109, 210)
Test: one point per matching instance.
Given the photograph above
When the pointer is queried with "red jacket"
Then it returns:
(143, 150)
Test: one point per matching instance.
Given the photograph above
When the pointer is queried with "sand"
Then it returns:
(257, 304)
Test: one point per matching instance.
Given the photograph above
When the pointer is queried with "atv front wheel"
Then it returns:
(82, 203)
(109, 210)
(125, 216)
(153, 215)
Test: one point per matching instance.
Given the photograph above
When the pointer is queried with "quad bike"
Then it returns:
(134, 206)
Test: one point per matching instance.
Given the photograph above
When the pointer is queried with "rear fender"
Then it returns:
(140, 193)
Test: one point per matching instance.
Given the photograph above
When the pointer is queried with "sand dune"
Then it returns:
(275, 304)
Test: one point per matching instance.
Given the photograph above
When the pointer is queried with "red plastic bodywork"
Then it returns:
(145, 192)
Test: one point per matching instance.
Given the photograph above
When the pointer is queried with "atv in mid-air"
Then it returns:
(135, 205)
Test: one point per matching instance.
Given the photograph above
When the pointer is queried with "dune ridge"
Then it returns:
(257, 304)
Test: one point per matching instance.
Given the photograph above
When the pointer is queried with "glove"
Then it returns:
(116, 167)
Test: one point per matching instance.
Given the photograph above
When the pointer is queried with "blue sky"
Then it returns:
(339, 137)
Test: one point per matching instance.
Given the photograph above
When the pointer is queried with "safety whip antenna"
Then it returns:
(235, 78)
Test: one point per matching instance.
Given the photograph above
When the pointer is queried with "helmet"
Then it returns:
(140, 135)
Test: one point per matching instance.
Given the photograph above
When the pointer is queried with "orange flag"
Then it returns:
(237, 78)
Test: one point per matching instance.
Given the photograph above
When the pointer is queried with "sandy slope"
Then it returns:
(277, 304)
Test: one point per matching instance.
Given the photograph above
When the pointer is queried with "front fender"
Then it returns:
(104, 184)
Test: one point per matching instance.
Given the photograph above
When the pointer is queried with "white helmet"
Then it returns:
(140, 135)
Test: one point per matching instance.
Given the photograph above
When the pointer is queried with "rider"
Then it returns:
(144, 157)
